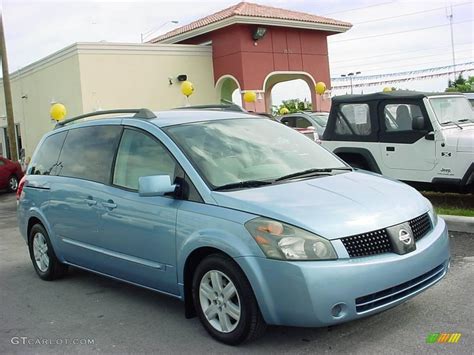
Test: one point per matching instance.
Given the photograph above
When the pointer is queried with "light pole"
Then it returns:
(449, 15)
(350, 75)
(149, 32)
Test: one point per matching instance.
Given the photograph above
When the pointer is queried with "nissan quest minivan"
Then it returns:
(245, 220)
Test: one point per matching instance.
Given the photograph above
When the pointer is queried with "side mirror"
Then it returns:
(430, 136)
(418, 123)
(156, 185)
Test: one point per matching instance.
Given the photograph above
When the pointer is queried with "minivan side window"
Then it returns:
(45, 159)
(141, 155)
(353, 119)
(88, 153)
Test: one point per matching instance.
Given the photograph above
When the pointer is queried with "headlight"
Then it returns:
(432, 212)
(282, 241)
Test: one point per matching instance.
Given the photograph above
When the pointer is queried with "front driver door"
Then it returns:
(137, 234)
(405, 150)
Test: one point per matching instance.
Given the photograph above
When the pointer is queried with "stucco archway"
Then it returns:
(279, 77)
(225, 87)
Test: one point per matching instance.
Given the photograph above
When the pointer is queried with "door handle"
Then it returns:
(109, 204)
(390, 149)
(90, 201)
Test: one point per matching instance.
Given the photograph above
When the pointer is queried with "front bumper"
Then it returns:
(321, 293)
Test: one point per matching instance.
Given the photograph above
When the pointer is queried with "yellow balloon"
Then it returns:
(250, 96)
(387, 89)
(58, 112)
(187, 88)
(320, 88)
(284, 111)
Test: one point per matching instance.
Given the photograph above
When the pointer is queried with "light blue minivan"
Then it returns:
(245, 220)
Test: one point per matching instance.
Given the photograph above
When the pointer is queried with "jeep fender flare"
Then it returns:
(363, 153)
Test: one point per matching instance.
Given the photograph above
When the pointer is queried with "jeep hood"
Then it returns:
(331, 206)
(463, 139)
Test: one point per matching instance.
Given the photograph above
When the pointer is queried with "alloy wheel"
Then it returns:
(220, 301)
(40, 252)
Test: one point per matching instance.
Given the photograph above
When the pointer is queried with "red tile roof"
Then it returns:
(252, 10)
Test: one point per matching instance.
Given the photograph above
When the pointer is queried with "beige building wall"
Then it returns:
(53, 79)
(87, 77)
(138, 75)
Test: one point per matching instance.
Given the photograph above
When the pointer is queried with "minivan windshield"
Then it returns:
(250, 152)
(452, 109)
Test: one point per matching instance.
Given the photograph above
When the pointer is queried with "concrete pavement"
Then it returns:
(106, 316)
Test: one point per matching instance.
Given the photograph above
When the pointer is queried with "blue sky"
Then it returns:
(388, 35)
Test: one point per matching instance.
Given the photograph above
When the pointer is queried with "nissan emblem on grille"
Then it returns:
(401, 238)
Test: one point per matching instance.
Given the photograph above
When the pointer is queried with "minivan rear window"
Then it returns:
(45, 159)
(88, 153)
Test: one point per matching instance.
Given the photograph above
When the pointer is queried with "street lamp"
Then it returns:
(153, 30)
(350, 75)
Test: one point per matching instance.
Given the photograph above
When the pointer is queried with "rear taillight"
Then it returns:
(19, 191)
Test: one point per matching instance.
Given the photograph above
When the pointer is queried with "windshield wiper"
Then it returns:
(242, 184)
(463, 120)
(311, 172)
(454, 123)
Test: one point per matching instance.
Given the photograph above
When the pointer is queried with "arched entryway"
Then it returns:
(278, 77)
(226, 87)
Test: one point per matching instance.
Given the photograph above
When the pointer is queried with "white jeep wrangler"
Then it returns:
(415, 137)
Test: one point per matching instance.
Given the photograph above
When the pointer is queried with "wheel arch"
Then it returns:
(192, 261)
(363, 153)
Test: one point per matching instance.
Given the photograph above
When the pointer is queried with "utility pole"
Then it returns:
(8, 94)
(449, 15)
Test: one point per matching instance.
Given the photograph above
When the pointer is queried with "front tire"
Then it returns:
(46, 265)
(224, 301)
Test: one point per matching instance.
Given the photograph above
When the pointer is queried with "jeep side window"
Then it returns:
(399, 117)
(353, 119)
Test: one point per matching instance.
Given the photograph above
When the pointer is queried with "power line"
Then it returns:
(400, 80)
(408, 14)
(403, 59)
(399, 32)
(388, 54)
(422, 63)
(358, 8)
(409, 72)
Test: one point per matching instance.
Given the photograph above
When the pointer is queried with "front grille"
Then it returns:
(378, 242)
(371, 243)
(420, 226)
(382, 298)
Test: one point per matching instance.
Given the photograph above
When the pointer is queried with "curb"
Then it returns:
(459, 223)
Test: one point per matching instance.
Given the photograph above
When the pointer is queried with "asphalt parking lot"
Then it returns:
(85, 313)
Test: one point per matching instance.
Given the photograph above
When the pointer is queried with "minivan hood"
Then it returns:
(331, 206)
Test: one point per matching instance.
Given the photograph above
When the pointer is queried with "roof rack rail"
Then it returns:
(217, 107)
(139, 113)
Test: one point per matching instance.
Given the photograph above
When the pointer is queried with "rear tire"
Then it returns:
(12, 183)
(224, 301)
(46, 265)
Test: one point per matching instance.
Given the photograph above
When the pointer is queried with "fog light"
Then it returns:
(339, 310)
